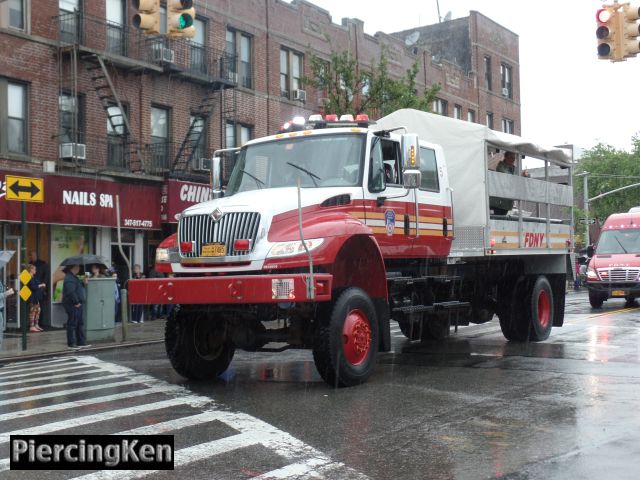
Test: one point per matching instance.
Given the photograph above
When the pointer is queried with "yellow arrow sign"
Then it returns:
(25, 189)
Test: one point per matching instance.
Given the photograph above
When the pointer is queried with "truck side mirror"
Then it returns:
(216, 177)
(410, 151)
(412, 179)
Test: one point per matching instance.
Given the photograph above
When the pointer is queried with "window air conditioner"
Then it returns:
(505, 92)
(160, 53)
(300, 95)
(202, 164)
(71, 151)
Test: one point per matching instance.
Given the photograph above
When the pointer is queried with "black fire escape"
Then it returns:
(110, 54)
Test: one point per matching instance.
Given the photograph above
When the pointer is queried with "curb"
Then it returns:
(96, 348)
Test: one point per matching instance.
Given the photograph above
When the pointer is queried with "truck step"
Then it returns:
(436, 307)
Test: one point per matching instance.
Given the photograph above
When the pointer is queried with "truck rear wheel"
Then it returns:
(530, 313)
(197, 346)
(345, 346)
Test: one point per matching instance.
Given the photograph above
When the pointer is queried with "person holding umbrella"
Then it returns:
(73, 297)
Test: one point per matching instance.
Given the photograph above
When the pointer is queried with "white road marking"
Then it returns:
(44, 368)
(48, 377)
(73, 382)
(305, 459)
(45, 362)
(45, 374)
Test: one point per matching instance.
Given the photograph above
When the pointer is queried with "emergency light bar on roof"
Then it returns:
(329, 121)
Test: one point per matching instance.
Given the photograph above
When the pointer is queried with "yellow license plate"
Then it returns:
(618, 293)
(214, 250)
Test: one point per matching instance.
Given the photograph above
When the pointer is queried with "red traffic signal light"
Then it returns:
(608, 33)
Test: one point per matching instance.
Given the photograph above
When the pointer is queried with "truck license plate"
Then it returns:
(214, 250)
(617, 293)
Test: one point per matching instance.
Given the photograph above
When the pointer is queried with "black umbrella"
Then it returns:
(87, 259)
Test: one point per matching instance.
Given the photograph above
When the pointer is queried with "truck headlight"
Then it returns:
(289, 249)
(163, 255)
(592, 274)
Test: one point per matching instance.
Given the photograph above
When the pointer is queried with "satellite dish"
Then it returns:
(411, 38)
(447, 17)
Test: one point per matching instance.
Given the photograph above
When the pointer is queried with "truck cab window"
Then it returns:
(429, 170)
(391, 158)
(376, 169)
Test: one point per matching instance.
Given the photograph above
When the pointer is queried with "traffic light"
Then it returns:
(148, 17)
(180, 18)
(609, 33)
(631, 30)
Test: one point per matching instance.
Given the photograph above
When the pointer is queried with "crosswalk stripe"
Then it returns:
(88, 419)
(46, 361)
(88, 368)
(182, 457)
(89, 401)
(14, 401)
(44, 368)
(175, 424)
(48, 377)
(73, 382)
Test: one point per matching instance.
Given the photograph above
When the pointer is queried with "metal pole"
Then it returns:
(585, 180)
(123, 298)
(23, 248)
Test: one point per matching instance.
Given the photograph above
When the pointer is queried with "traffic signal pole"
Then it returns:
(23, 258)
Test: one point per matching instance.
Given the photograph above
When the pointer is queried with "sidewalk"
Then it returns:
(54, 341)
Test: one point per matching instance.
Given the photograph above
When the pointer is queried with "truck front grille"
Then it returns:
(202, 229)
(618, 274)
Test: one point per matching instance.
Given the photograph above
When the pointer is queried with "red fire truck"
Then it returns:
(331, 229)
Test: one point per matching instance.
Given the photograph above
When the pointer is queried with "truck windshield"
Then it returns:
(318, 160)
(619, 241)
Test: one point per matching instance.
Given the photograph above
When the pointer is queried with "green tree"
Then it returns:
(610, 169)
(350, 88)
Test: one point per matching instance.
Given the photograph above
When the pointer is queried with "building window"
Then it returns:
(71, 117)
(290, 73)
(199, 132)
(198, 48)
(237, 131)
(16, 14)
(160, 137)
(115, 26)
(13, 114)
(239, 45)
(70, 11)
(457, 112)
(163, 19)
(507, 126)
(490, 120)
(471, 116)
(116, 137)
(506, 80)
(440, 106)
(487, 72)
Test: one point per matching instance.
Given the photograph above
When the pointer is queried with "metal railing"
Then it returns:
(179, 56)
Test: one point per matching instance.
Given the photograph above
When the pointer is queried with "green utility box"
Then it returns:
(100, 309)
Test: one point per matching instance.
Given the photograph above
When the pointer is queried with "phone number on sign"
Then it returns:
(130, 222)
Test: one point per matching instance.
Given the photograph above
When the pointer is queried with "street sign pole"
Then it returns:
(25, 304)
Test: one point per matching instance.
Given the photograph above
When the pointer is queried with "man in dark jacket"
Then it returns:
(73, 297)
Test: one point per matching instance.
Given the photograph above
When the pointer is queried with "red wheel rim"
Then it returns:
(544, 309)
(356, 337)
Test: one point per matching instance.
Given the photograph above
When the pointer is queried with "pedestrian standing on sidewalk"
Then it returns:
(136, 310)
(35, 300)
(73, 298)
(3, 294)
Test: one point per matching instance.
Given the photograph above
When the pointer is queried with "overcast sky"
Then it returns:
(567, 94)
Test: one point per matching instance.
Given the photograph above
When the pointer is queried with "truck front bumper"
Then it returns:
(616, 290)
(228, 289)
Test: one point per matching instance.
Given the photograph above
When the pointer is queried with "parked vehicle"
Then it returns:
(614, 268)
(332, 229)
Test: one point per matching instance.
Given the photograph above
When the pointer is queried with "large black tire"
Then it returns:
(530, 314)
(345, 345)
(596, 299)
(196, 345)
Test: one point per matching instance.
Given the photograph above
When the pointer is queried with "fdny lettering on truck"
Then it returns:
(532, 240)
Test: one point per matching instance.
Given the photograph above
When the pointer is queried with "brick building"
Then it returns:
(107, 116)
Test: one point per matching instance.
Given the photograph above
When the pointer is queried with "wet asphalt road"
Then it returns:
(475, 406)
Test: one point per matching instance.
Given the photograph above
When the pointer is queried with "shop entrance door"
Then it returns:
(10, 279)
